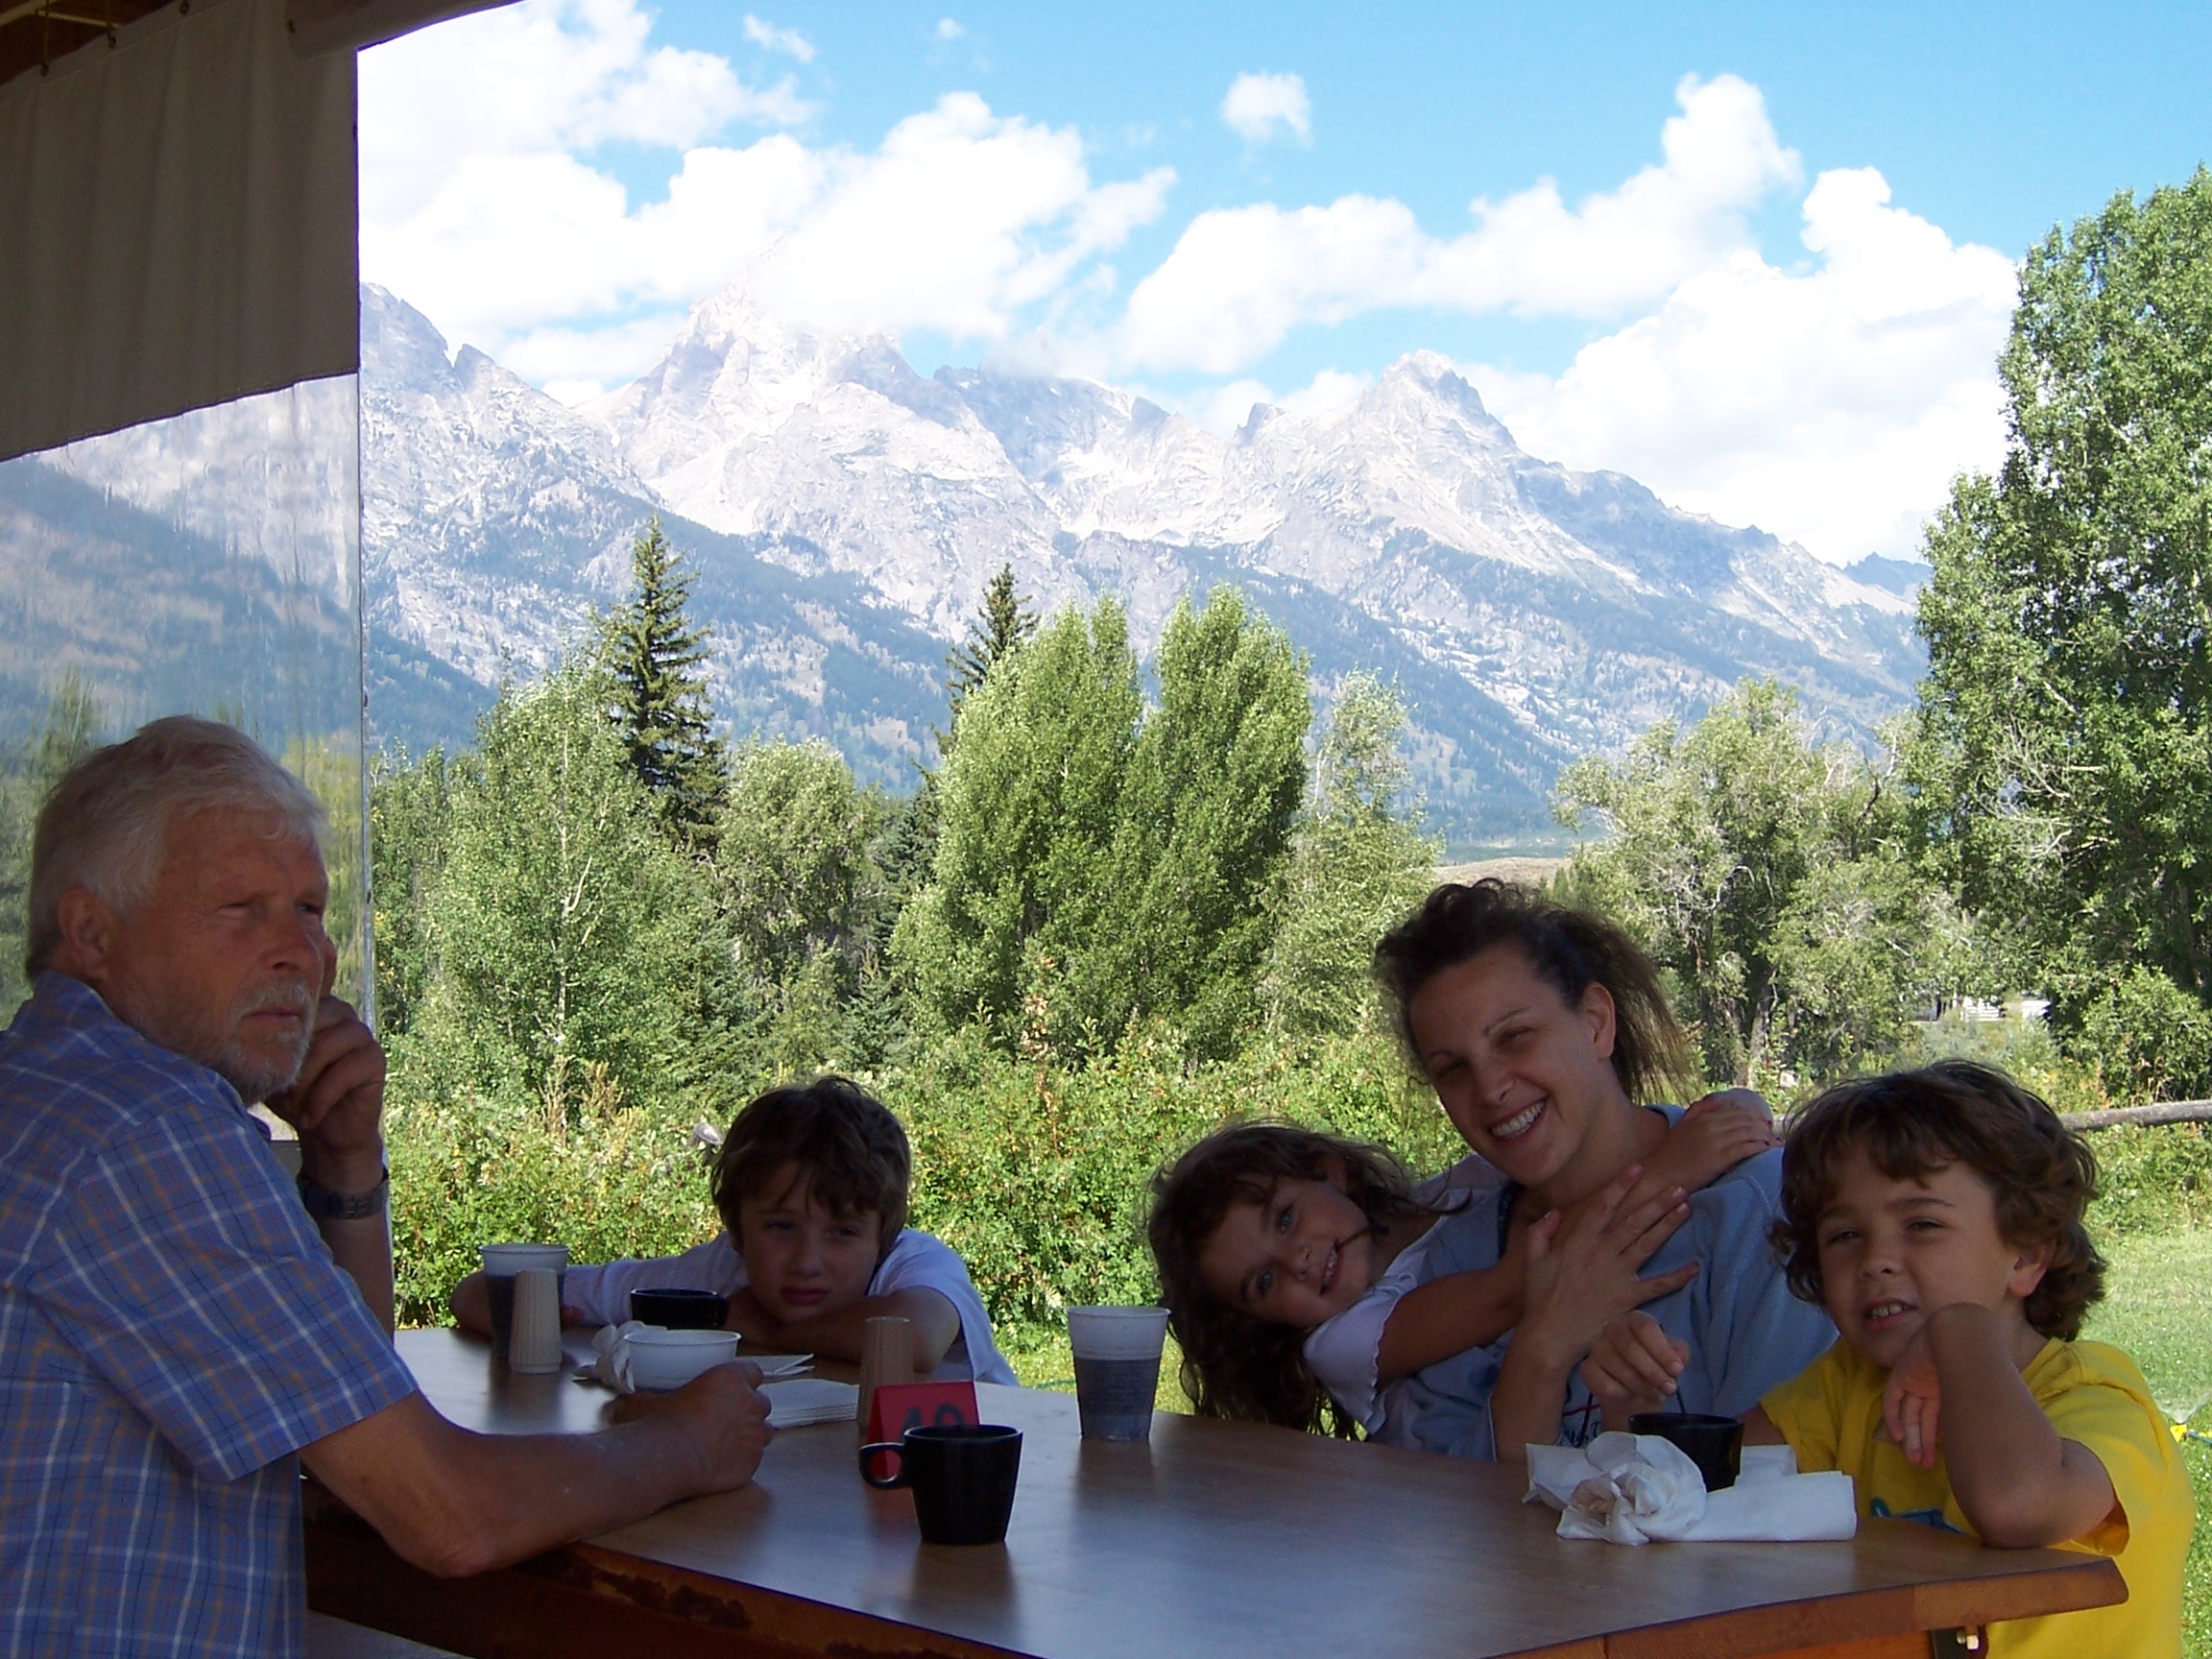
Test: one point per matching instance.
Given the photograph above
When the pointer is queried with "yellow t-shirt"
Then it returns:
(1831, 1414)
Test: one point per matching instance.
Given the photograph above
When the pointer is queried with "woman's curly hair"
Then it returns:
(1910, 1124)
(1570, 950)
(1234, 1366)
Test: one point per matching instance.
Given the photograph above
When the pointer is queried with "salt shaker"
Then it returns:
(887, 1355)
(535, 1347)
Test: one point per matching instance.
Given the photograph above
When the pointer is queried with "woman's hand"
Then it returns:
(1581, 1273)
(1633, 1367)
(1715, 1133)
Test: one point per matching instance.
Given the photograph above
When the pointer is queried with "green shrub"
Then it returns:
(2149, 1039)
(587, 1170)
(2151, 1178)
(1036, 1172)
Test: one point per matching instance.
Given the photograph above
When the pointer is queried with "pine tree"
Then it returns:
(661, 707)
(1003, 624)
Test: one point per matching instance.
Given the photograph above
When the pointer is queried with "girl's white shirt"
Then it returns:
(915, 1261)
(1344, 1354)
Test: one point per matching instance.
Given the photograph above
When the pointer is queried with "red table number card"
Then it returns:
(899, 1406)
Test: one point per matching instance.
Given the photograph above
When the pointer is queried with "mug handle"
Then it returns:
(883, 1482)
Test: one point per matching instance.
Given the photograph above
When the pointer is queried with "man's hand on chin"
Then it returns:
(337, 1101)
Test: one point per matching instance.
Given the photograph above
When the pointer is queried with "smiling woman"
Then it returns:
(1540, 1027)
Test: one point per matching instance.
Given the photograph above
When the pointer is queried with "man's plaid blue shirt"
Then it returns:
(172, 1331)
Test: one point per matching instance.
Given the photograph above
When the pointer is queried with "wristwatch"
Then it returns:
(325, 1205)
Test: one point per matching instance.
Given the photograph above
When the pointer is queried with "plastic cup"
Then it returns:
(502, 1263)
(1116, 1369)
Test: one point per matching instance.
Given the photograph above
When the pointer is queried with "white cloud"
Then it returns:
(1241, 279)
(483, 204)
(1328, 392)
(1831, 405)
(1224, 409)
(949, 30)
(578, 364)
(1258, 104)
(774, 39)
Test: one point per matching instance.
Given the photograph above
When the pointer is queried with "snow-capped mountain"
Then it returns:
(1531, 612)
(844, 513)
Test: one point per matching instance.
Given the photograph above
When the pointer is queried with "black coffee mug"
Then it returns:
(1714, 1444)
(962, 1475)
(680, 1309)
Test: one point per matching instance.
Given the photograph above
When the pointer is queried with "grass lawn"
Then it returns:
(2158, 1308)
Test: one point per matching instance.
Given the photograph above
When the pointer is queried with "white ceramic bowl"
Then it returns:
(670, 1358)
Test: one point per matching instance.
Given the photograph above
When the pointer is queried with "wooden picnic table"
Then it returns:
(1217, 1539)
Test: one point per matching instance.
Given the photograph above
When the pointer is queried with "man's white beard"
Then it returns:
(256, 1074)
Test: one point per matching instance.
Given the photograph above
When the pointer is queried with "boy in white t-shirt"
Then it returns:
(811, 1183)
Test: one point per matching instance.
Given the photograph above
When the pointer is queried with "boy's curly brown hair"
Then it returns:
(847, 1147)
(1910, 1124)
(1234, 1366)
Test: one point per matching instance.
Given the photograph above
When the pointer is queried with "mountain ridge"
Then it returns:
(843, 513)
(1531, 612)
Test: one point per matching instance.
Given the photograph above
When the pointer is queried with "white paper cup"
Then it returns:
(1116, 1368)
(670, 1358)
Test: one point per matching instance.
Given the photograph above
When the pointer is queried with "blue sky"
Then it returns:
(1779, 309)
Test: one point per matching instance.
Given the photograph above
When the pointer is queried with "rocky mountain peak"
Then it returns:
(844, 513)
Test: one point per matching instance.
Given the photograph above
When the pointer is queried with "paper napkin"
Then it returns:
(1636, 1489)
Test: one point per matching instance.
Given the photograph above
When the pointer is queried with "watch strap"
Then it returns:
(325, 1205)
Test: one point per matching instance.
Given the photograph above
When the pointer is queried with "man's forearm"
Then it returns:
(456, 1503)
(363, 1248)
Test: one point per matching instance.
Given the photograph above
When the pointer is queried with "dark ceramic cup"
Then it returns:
(1714, 1444)
(962, 1476)
(680, 1309)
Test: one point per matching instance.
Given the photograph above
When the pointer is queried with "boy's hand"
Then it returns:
(1913, 1403)
(1717, 1133)
(1633, 1367)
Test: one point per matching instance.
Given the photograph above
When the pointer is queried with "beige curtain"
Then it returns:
(178, 224)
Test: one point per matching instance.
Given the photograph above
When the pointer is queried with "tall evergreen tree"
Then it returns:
(1003, 624)
(661, 709)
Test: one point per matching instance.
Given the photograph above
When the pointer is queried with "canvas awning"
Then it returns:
(178, 204)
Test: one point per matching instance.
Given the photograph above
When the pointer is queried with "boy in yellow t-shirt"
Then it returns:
(1938, 1214)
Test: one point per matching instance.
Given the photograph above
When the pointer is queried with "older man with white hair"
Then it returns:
(175, 1332)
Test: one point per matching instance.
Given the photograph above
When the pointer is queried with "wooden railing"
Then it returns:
(2164, 1112)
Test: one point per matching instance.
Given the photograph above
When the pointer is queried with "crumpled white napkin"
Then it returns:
(610, 1363)
(1634, 1489)
(611, 1357)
